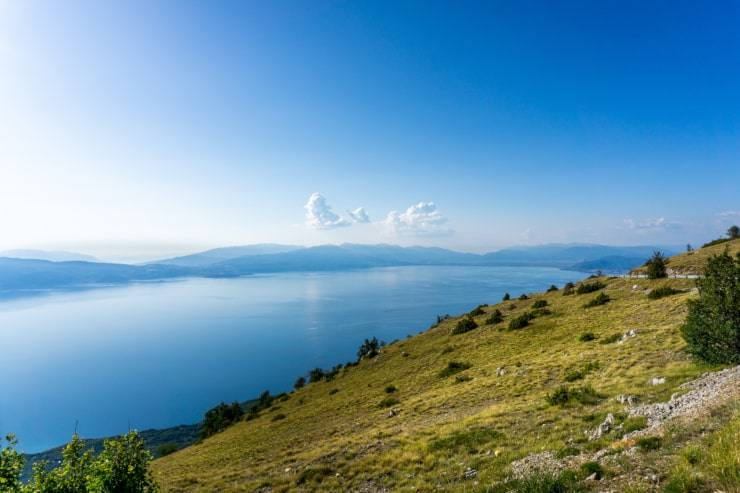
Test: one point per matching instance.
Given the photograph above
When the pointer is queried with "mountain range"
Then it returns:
(36, 274)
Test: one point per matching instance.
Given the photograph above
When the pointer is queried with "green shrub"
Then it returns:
(569, 289)
(552, 288)
(566, 452)
(495, 318)
(219, 418)
(463, 325)
(469, 439)
(368, 349)
(463, 378)
(718, 241)
(541, 482)
(610, 339)
(592, 467)
(587, 336)
(299, 383)
(478, 310)
(573, 375)
(523, 297)
(388, 402)
(316, 375)
(656, 266)
(313, 475)
(11, 465)
(279, 417)
(390, 389)
(590, 287)
(539, 312)
(506, 297)
(333, 391)
(539, 304)
(682, 479)
(662, 292)
(166, 449)
(600, 299)
(634, 423)
(649, 443)
(564, 395)
(519, 322)
(712, 326)
(454, 367)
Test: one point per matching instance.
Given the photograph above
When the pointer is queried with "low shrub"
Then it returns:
(662, 292)
(469, 439)
(569, 289)
(390, 389)
(539, 312)
(567, 452)
(454, 367)
(649, 443)
(610, 339)
(506, 297)
(495, 318)
(539, 304)
(552, 288)
(592, 467)
(590, 287)
(220, 417)
(587, 336)
(601, 299)
(279, 417)
(388, 402)
(520, 322)
(368, 349)
(316, 375)
(478, 310)
(313, 475)
(166, 449)
(523, 297)
(634, 423)
(463, 325)
(333, 391)
(573, 375)
(564, 395)
(463, 378)
(299, 383)
(541, 482)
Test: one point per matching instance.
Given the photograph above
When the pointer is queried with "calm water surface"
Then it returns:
(156, 355)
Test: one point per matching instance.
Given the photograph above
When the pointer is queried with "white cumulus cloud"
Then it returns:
(319, 215)
(422, 219)
(359, 215)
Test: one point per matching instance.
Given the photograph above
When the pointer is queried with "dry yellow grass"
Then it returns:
(693, 262)
(342, 441)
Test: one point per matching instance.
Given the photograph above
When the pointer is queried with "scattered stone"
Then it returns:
(470, 473)
(657, 381)
(635, 287)
(593, 477)
(630, 400)
(500, 371)
(602, 429)
(393, 412)
(543, 462)
(627, 335)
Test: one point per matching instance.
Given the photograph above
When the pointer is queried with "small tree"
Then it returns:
(316, 375)
(506, 297)
(656, 266)
(11, 465)
(569, 289)
(552, 288)
(733, 232)
(712, 327)
(299, 383)
(368, 349)
(70, 476)
(689, 248)
(123, 467)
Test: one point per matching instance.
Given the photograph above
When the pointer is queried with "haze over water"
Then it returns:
(157, 355)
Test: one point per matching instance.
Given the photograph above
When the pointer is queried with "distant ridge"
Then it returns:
(50, 255)
(215, 255)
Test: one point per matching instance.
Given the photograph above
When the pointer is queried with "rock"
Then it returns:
(470, 473)
(593, 477)
(627, 335)
(500, 371)
(635, 287)
(603, 428)
(657, 381)
(393, 412)
(630, 400)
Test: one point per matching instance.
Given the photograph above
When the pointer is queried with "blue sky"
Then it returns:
(145, 128)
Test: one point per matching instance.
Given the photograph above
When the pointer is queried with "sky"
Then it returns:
(147, 128)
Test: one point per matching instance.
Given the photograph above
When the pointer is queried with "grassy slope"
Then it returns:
(351, 444)
(691, 263)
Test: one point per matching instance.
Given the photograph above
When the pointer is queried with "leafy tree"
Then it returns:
(123, 466)
(11, 465)
(465, 324)
(569, 289)
(656, 266)
(316, 375)
(733, 232)
(368, 349)
(299, 383)
(712, 327)
(523, 297)
(506, 297)
(220, 417)
(689, 248)
(552, 288)
(495, 318)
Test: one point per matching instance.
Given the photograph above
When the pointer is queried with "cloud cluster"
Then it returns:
(658, 222)
(422, 219)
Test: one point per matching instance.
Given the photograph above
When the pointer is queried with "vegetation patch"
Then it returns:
(465, 324)
(569, 289)
(495, 318)
(478, 310)
(520, 322)
(600, 299)
(662, 292)
(649, 443)
(565, 395)
(590, 287)
(314, 475)
(390, 389)
(539, 304)
(454, 367)
(469, 440)
(587, 336)
(634, 423)
(610, 339)
(388, 402)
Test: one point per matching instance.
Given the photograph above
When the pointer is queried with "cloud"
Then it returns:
(319, 214)
(652, 224)
(730, 215)
(422, 219)
(358, 216)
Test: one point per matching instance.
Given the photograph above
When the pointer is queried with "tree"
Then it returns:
(507, 297)
(689, 248)
(712, 327)
(733, 232)
(316, 375)
(11, 465)
(552, 288)
(368, 349)
(219, 418)
(656, 266)
(299, 383)
(123, 467)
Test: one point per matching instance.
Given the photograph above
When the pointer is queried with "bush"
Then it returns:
(718, 241)
(506, 297)
(279, 417)
(333, 391)
(469, 439)
(539, 312)
(634, 423)
(219, 418)
(523, 297)
(541, 482)
(610, 339)
(478, 310)
(573, 375)
(299, 383)
(662, 292)
(590, 287)
(390, 389)
(495, 318)
(601, 299)
(463, 325)
(368, 349)
(316, 375)
(586, 336)
(656, 266)
(11, 465)
(454, 367)
(519, 322)
(539, 304)
(166, 449)
(712, 326)
(592, 467)
(566, 452)
(463, 378)
(569, 289)
(313, 475)
(564, 395)
(649, 443)
(388, 402)
(552, 288)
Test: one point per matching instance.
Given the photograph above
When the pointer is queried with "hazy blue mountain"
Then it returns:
(611, 264)
(216, 255)
(565, 255)
(51, 255)
(25, 274)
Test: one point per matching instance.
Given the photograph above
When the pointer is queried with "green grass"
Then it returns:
(345, 442)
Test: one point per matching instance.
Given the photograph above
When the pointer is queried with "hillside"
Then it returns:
(693, 262)
(469, 428)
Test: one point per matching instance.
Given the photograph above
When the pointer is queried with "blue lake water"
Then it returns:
(159, 354)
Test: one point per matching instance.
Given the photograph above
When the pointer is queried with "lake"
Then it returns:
(154, 355)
